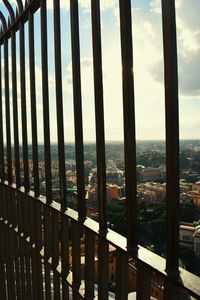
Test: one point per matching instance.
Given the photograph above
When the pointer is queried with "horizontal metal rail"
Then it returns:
(47, 259)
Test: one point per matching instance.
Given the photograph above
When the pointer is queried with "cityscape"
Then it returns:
(151, 191)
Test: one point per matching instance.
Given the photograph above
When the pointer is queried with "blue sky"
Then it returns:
(148, 69)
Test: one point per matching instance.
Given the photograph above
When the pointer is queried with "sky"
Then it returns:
(148, 70)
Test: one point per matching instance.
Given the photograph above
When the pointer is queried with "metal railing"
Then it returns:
(42, 240)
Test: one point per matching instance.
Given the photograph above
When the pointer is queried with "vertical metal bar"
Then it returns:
(103, 260)
(35, 266)
(65, 255)
(23, 235)
(7, 103)
(47, 249)
(45, 95)
(2, 174)
(2, 254)
(10, 197)
(143, 282)
(26, 230)
(59, 104)
(2, 264)
(6, 268)
(32, 231)
(21, 244)
(38, 244)
(4, 202)
(89, 264)
(15, 109)
(122, 273)
(8, 204)
(129, 124)
(76, 258)
(28, 272)
(17, 267)
(172, 292)
(99, 114)
(55, 253)
(8, 253)
(77, 108)
(172, 136)
(23, 107)
(16, 247)
(33, 105)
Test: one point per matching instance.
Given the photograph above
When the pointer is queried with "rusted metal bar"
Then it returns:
(59, 104)
(33, 105)
(45, 97)
(172, 136)
(129, 125)
(77, 108)
(99, 114)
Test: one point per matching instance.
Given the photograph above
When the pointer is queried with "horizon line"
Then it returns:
(111, 141)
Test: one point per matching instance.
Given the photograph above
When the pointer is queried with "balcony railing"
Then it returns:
(42, 241)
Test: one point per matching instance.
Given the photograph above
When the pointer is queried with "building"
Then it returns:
(186, 235)
(190, 236)
(113, 191)
(197, 240)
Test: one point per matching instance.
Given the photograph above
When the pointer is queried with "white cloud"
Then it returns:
(104, 4)
(86, 4)
(155, 6)
(64, 4)
(148, 69)
(148, 64)
(87, 98)
(188, 43)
